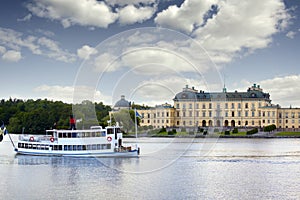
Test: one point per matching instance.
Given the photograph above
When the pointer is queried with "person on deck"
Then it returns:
(72, 123)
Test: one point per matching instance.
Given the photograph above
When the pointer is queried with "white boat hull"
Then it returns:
(133, 153)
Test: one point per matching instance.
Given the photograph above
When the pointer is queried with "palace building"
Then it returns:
(193, 108)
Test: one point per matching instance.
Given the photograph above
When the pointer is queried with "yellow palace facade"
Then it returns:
(193, 108)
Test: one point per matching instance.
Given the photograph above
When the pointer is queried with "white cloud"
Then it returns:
(283, 90)
(40, 46)
(66, 94)
(2, 50)
(128, 2)
(238, 27)
(69, 12)
(12, 56)
(106, 62)
(186, 17)
(94, 13)
(291, 34)
(86, 51)
(132, 14)
(45, 32)
(160, 90)
(26, 18)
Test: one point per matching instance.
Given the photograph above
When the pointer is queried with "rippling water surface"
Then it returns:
(167, 169)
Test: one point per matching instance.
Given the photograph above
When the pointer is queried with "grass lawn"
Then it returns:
(288, 134)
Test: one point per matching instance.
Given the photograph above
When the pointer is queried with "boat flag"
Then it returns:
(3, 131)
(137, 114)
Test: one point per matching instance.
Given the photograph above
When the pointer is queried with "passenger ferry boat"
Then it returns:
(93, 142)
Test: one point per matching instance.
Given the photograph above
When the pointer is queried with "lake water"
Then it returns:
(181, 168)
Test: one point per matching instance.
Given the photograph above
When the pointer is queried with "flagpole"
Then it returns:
(135, 122)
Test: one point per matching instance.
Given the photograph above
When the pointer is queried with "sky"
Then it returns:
(148, 50)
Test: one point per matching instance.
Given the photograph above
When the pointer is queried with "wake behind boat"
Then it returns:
(93, 142)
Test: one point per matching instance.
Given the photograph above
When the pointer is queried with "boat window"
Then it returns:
(74, 147)
(103, 133)
(59, 147)
(108, 146)
(65, 147)
(98, 146)
(94, 147)
(110, 131)
(19, 145)
(84, 147)
(93, 134)
(55, 147)
(79, 147)
(74, 135)
(34, 146)
(26, 145)
(29, 146)
(118, 130)
(60, 135)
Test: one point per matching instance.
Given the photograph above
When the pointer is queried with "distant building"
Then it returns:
(122, 104)
(193, 108)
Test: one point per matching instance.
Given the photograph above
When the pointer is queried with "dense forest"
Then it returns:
(35, 116)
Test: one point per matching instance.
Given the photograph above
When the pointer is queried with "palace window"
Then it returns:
(246, 105)
(239, 113)
(232, 113)
(232, 105)
(246, 113)
(203, 106)
(190, 106)
(167, 113)
(253, 114)
(183, 114)
(239, 105)
(210, 114)
(197, 113)
(183, 105)
(203, 114)
(226, 114)
(209, 106)
(162, 114)
(197, 106)
(226, 105)
(177, 105)
(190, 113)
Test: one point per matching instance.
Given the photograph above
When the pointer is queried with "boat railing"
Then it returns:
(36, 138)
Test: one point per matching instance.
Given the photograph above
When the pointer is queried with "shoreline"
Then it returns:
(221, 136)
